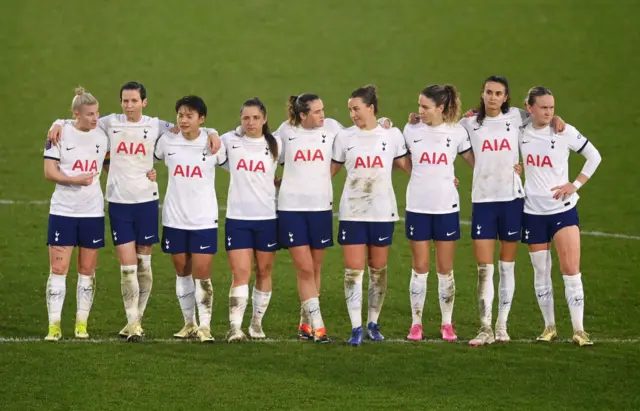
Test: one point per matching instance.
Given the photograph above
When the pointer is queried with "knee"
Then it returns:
(59, 268)
(444, 267)
(86, 269)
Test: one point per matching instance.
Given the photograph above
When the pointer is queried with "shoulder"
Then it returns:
(283, 128)
(468, 122)
(457, 130)
(332, 125)
(412, 128)
(229, 135)
(348, 132)
(570, 132)
(393, 132)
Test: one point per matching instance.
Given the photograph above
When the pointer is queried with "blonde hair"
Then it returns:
(82, 98)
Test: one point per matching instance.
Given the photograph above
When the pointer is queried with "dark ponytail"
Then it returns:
(297, 105)
(446, 96)
(482, 111)
(271, 140)
(369, 96)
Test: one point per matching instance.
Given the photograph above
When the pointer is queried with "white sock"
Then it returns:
(304, 318)
(260, 303)
(485, 293)
(353, 295)
(541, 261)
(238, 300)
(506, 288)
(417, 295)
(574, 294)
(56, 290)
(312, 308)
(186, 293)
(84, 296)
(204, 299)
(145, 282)
(130, 291)
(446, 295)
(377, 292)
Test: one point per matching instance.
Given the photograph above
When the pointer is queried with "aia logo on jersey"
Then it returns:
(308, 155)
(187, 171)
(496, 145)
(539, 161)
(434, 158)
(251, 165)
(131, 148)
(85, 166)
(368, 162)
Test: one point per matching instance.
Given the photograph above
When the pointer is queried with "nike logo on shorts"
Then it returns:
(325, 241)
(450, 234)
(146, 237)
(202, 247)
(512, 232)
(271, 245)
(382, 238)
(97, 241)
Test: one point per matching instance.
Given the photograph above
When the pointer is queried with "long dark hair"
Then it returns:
(297, 105)
(482, 112)
(369, 96)
(271, 140)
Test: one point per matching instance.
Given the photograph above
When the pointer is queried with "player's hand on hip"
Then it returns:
(518, 169)
(456, 182)
(55, 134)
(563, 191)
(151, 175)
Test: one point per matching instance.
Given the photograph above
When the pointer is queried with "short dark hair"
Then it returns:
(369, 96)
(134, 85)
(194, 103)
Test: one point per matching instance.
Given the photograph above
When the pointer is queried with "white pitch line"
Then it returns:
(293, 340)
(462, 222)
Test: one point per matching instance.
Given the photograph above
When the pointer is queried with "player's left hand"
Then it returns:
(470, 113)
(558, 124)
(151, 175)
(277, 181)
(174, 129)
(518, 169)
(563, 191)
(456, 182)
(214, 143)
(385, 122)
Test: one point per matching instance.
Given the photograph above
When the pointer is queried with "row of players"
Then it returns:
(312, 150)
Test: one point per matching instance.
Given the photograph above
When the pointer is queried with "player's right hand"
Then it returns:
(54, 134)
(84, 179)
(151, 175)
(414, 118)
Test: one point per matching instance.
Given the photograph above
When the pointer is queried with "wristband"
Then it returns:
(577, 184)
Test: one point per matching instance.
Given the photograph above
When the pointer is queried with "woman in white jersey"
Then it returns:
(305, 216)
(550, 208)
(132, 198)
(76, 214)
(190, 214)
(497, 197)
(251, 226)
(433, 203)
(368, 208)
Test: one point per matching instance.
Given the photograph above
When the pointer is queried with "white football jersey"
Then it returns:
(79, 152)
(368, 156)
(431, 188)
(306, 155)
(252, 192)
(190, 202)
(546, 165)
(495, 147)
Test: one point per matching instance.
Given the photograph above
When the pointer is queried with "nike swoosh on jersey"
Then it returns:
(235, 146)
(349, 148)
(292, 138)
(70, 148)
(416, 141)
(170, 154)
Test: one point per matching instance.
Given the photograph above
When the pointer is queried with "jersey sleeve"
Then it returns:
(339, 154)
(225, 143)
(159, 149)
(221, 155)
(575, 140)
(401, 145)
(107, 155)
(280, 146)
(105, 122)
(164, 126)
(281, 149)
(51, 151)
(464, 144)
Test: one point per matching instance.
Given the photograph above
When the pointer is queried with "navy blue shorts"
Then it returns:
(497, 220)
(134, 222)
(261, 235)
(540, 229)
(86, 232)
(378, 233)
(179, 241)
(437, 227)
(312, 228)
